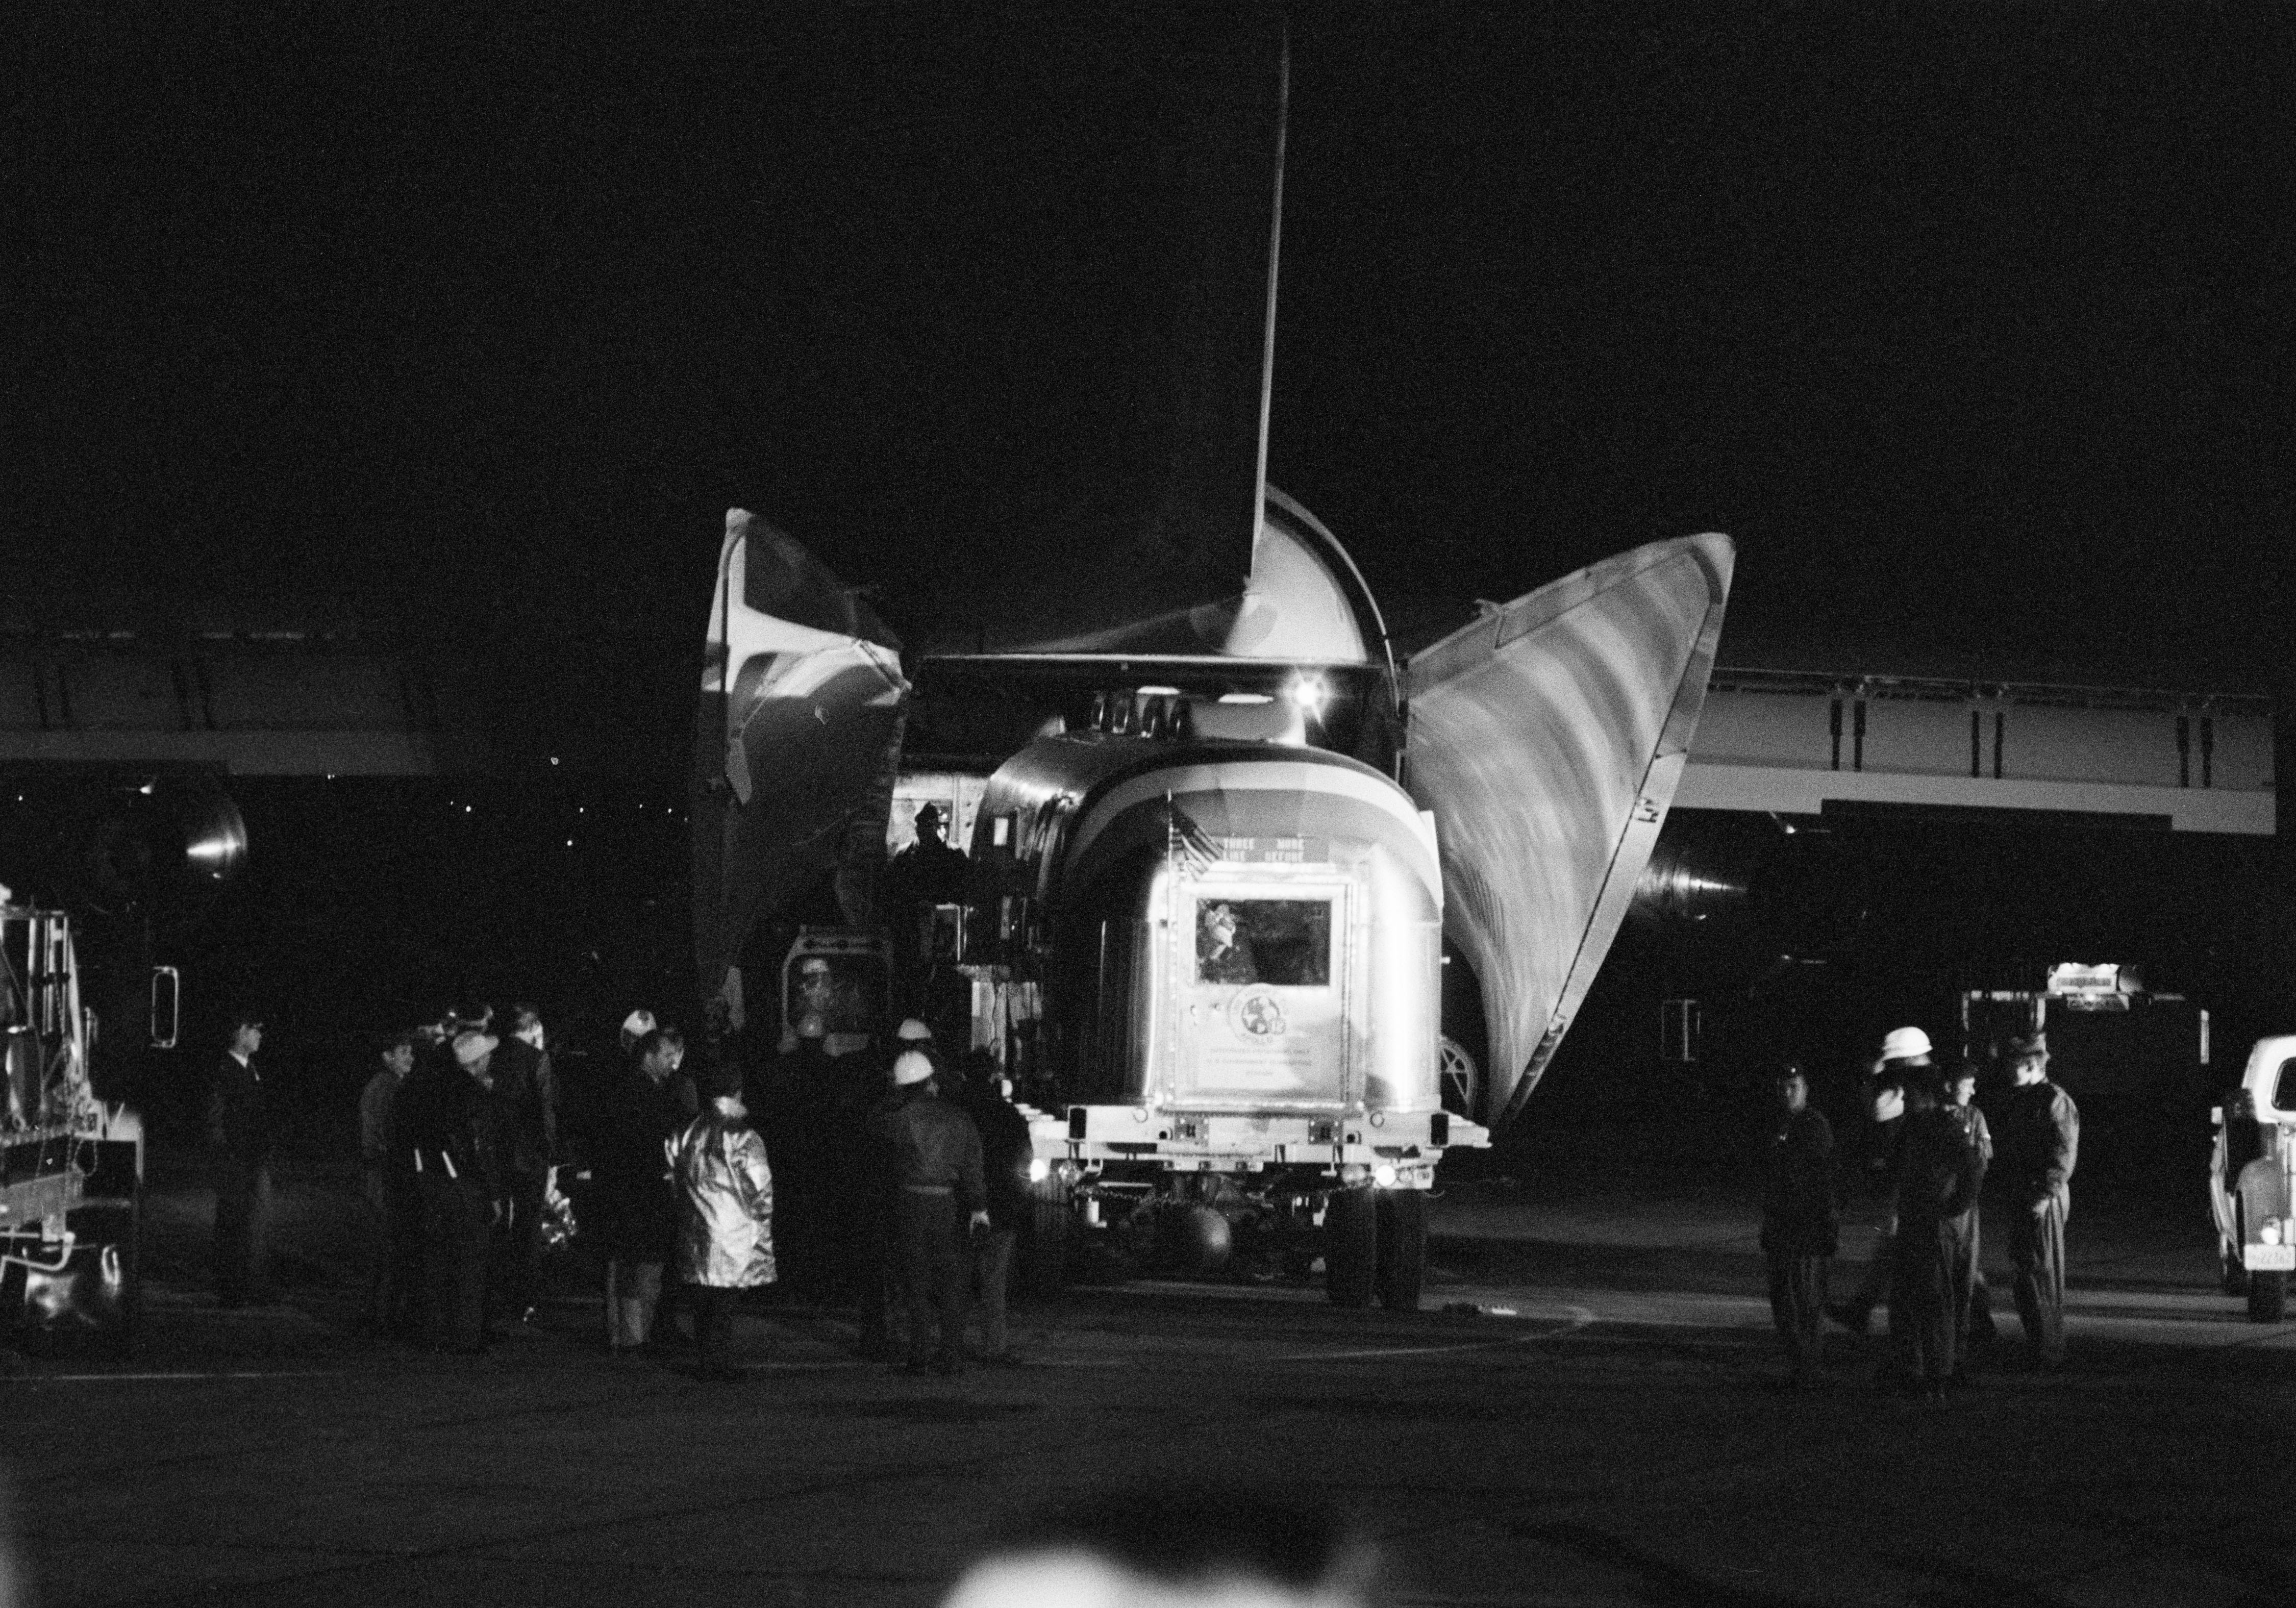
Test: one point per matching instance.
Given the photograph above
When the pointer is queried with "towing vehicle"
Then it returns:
(2252, 1180)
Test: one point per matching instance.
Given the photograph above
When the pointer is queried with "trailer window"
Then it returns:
(2283, 1087)
(1286, 942)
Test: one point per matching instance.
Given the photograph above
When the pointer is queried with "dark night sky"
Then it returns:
(1971, 323)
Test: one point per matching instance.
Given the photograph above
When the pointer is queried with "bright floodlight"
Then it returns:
(1308, 693)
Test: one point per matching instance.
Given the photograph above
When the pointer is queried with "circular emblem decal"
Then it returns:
(1255, 1016)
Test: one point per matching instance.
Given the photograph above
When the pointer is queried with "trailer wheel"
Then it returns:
(1350, 1247)
(1402, 1248)
(1045, 1248)
(2268, 1296)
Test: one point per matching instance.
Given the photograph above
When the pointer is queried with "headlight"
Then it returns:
(1383, 1176)
(1351, 1175)
(1039, 1170)
(2270, 1233)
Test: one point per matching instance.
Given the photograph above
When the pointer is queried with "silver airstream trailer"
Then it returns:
(1239, 947)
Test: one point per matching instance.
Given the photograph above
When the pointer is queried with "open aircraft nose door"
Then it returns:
(166, 1001)
(1547, 739)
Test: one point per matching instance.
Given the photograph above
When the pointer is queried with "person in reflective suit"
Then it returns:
(725, 1235)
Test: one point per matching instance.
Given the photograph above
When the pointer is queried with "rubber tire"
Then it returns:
(1045, 1248)
(1402, 1248)
(1350, 1247)
(2236, 1270)
(2268, 1296)
(2236, 1276)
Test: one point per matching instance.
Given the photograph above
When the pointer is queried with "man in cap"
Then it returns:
(2037, 1146)
(930, 868)
(1972, 1307)
(636, 1201)
(394, 1205)
(523, 1076)
(1800, 1224)
(940, 1195)
(460, 1143)
(239, 1127)
(926, 874)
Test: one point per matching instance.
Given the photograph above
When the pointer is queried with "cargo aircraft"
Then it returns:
(1217, 834)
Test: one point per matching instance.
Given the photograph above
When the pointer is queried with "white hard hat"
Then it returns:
(1905, 1044)
(636, 1025)
(913, 1031)
(911, 1066)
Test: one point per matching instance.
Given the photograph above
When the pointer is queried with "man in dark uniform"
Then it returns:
(927, 873)
(1971, 1304)
(796, 1116)
(1004, 1156)
(876, 1235)
(523, 1085)
(394, 1203)
(461, 1140)
(940, 1195)
(239, 1128)
(1800, 1223)
(2037, 1146)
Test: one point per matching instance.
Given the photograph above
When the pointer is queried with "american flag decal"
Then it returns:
(1187, 846)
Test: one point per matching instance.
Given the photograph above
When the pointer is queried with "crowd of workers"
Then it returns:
(1932, 1152)
(894, 1183)
(897, 1184)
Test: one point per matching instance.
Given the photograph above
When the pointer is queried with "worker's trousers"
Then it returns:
(1798, 1305)
(2036, 1251)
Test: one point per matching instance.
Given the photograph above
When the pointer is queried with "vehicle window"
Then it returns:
(847, 990)
(1286, 942)
(2283, 1087)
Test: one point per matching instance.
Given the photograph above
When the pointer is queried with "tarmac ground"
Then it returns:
(1588, 1412)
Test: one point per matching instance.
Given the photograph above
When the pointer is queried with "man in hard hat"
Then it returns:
(2037, 1147)
(1933, 1197)
(940, 1196)
(875, 1237)
(1905, 1050)
(635, 1026)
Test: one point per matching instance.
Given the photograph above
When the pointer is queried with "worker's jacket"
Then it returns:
(2038, 1143)
(933, 1146)
(1799, 1217)
(1938, 1170)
